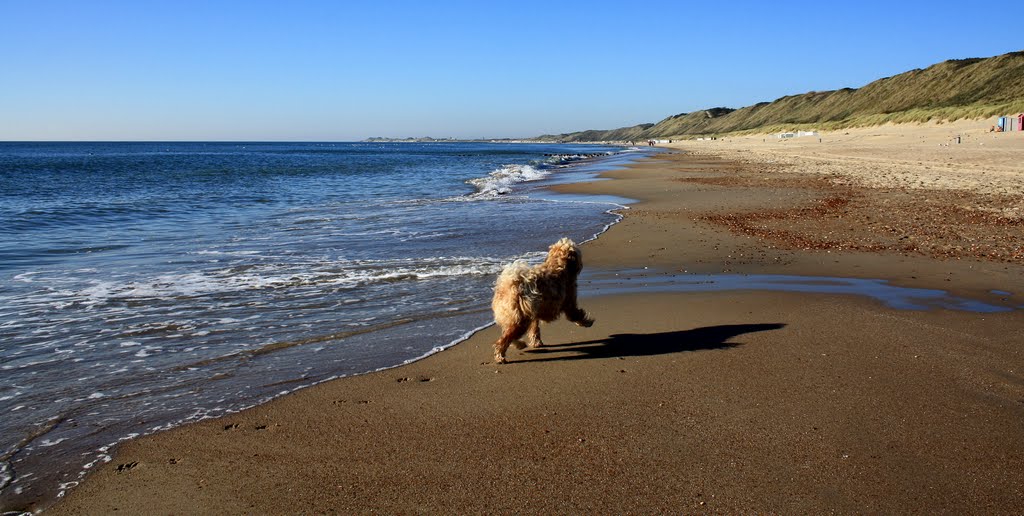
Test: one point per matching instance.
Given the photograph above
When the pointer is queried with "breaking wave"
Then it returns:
(500, 181)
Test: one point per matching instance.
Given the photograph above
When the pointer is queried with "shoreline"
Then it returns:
(666, 404)
(27, 467)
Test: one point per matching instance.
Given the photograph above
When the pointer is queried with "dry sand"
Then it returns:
(906, 155)
(700, 402)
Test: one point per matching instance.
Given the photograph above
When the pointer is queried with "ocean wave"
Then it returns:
(339, 274)
(500, 181)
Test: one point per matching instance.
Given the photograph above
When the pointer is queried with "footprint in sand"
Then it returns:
(420, 378)
(121, 468)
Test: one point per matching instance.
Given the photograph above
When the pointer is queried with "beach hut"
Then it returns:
(1011, 123)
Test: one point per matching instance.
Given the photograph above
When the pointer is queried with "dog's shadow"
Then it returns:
(649, 344)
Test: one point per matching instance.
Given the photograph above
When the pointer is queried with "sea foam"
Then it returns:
(500, 181)
(340, 273)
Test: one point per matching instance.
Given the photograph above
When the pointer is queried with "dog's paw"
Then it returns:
(586, 323)
(498, 359)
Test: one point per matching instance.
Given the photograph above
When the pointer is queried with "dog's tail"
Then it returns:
(512, 289)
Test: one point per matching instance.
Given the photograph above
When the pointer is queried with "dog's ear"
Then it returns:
(574, 260)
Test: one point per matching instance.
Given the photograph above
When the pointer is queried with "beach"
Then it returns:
(742, 400)
(147, 285)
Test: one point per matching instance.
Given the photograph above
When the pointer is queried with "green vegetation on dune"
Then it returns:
(621, 134)
(951, 90)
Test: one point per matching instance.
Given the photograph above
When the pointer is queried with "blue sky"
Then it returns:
(343, 70)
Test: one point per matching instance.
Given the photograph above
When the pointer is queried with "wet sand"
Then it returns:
(672, 402)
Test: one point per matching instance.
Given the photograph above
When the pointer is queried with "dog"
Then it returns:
(524, 296)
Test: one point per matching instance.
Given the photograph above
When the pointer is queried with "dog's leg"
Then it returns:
(510, 335)
(533, 335)
(578, 316)
(572, 309)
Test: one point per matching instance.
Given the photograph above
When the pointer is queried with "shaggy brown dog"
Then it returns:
(525, 296)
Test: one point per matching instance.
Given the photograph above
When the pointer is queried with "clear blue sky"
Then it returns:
(347, 70)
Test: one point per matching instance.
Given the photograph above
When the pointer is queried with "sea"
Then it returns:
(148, 285)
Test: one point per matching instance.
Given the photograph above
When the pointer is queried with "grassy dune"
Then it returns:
(951, 90)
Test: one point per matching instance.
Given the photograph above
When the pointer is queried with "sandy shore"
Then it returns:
(910, 156)
(672, 402)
